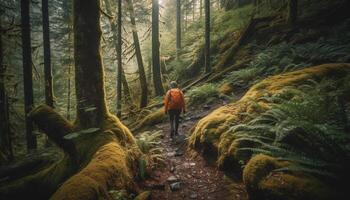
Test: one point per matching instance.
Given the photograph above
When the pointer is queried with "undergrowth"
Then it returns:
(306, 125)
(205, 93)
(149, 144)
(286, 57)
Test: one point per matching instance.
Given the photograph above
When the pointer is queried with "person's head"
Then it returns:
(173, 84)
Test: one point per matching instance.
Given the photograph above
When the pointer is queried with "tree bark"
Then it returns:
(178, 26)
(47, 54)
(157, 76)
(89, 77)
(5, 140)
(207, 36)
(200, 9)
(143, 81)
(27, 73)
(292, 12)
(119, 58)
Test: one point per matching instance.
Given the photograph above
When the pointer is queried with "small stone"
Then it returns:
(157, 187)
(193, 196)
(192, 164)
(172, 169)
(179, 153)
(175, 186)
(146, 195)
(170, 154)
(189, 176)
(172, 179)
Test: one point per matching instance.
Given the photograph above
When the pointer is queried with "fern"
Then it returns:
(304, 126)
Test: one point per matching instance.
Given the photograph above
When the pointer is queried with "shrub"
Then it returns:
(149, 144)
(205, 93)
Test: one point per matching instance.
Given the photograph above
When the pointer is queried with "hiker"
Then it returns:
(174, 104)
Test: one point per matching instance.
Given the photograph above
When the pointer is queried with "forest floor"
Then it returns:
(187, 175)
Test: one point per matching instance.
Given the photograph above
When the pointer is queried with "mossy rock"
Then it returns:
(226, 89)
(263, 182)
(146, 195)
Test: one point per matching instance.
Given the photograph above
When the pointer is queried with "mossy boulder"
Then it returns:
(263, 182)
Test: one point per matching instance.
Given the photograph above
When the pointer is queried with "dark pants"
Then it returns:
(174, 116)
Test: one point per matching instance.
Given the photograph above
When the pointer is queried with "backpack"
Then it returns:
(175, 98)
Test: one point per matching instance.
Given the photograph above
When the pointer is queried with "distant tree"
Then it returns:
(117, 39)
(5, 140)
(292, 16)
(178, 25)
(143, 81)
(47, 54)
(27, 73)
(119, 58)
(157, 77)
(200, 9)
(207, 36)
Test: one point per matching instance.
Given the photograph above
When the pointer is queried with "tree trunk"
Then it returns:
(119, 58)
(157, 76)
(98, 147)
(27, 73)
(207, 36)
(178, 26)
(117, 37)
(193, 9)
(185, 14)
(292, 12)
(200, 9)
(5, 140)
(143, 81)
(47, 54)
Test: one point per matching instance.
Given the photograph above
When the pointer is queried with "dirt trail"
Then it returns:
(196, 177)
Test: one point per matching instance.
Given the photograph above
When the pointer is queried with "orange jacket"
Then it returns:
(178, 105)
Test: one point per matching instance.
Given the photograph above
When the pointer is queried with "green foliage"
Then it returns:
(205, 93)
(305, 125)
(285, 57)
(119, 195)
(243, 77)
(149, 144)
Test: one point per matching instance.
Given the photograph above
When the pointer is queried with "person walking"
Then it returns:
(174, 103)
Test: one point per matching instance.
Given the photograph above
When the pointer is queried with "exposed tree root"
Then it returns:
(103, 157)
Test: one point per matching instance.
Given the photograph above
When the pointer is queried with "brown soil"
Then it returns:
(199, 178)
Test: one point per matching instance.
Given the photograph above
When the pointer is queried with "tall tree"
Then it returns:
(47, 54)
(200, 9)
(178, 25)
(117, 37)
(27, 73)
(143, 81)
(157, 76)
(119, 58)
(207, 36)
(5, 140)
(292, 12)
